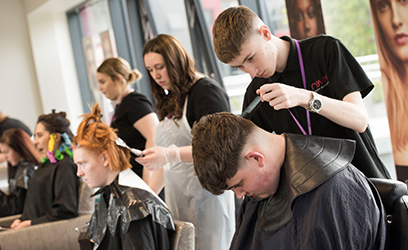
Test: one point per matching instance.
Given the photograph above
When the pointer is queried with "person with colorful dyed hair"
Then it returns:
(129, 214)
(52, 194)
(22, 158)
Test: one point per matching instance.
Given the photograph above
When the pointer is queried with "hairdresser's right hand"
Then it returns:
(156, 157)
(282, 96)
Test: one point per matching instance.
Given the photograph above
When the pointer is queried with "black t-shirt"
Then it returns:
(205, 97)
(13, 123)
(133, 107)
(332, 71)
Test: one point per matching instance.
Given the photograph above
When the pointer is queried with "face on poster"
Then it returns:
(390, 22)
(305, 18)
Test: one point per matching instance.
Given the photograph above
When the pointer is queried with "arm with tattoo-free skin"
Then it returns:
(349, 112)
(147, 127)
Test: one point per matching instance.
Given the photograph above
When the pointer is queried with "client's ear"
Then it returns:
(105, 158)
(256, 157)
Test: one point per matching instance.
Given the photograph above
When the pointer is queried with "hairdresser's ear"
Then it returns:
(118, 78)
(265, 32)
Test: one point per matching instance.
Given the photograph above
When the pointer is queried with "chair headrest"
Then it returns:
(390, 191)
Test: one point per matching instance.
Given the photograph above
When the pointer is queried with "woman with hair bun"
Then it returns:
(134, 117)
(129, 214)
(21, 157)
(53, 189)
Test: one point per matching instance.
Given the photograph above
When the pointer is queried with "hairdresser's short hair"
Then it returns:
(231, 30)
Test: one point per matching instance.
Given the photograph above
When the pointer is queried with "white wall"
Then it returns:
(53, 56)
(36, 60)
(19, 93)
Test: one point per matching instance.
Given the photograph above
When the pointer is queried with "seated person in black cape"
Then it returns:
(129, 214)
(22, 158)
(301, 192)
(52, 192)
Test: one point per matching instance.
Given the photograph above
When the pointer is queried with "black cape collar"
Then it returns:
(124, 205)
(309, 162)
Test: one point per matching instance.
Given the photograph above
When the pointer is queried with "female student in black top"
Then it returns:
(134, 116)
(183, 96)
(53, 189)
(21, 157)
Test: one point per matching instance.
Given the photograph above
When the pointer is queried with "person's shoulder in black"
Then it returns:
(205, 97)
(137, 220)
(134, 106)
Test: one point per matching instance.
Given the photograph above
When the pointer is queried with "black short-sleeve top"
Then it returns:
(205, 97)
(133, 107)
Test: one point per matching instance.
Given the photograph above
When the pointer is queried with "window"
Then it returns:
(97, 40)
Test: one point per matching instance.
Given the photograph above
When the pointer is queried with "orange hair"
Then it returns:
(96, 136)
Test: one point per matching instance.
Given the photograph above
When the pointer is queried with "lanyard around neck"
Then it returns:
(302, 71)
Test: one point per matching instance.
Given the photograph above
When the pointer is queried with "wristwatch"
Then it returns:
(315, 105)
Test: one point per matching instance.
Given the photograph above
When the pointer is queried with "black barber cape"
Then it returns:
(323, 202)
(130, 218)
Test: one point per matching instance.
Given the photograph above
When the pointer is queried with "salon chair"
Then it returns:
(394, 196)
(59, 235)
(184, 237)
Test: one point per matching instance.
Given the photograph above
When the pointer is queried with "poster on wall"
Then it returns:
(391, 37)
(108, 44)
(305, 18)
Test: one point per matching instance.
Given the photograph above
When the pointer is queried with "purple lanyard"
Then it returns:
(302, 70)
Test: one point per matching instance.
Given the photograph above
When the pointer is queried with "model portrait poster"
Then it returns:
(305, 18)
(390, 24)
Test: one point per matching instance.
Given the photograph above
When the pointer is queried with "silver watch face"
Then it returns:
(317, 104)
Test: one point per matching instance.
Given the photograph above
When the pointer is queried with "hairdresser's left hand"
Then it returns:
(156, 157)
(282, 96)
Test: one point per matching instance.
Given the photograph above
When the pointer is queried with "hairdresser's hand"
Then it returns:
(282, 96)
(20, 224)
(156, 157)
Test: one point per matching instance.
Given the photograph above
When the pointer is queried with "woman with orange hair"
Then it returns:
(21, 157)
(129, 214)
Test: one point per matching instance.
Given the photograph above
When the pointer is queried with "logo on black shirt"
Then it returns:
(319, 84)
